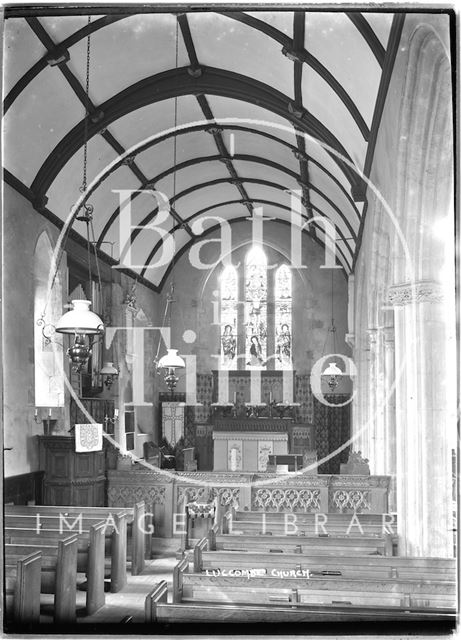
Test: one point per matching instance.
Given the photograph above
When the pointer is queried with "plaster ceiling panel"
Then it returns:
(205, 197)
(149, 49)
(154, 119)
(141, 207)
(326, 184)
(21, 50)
(328, 162)
(332, 214)
(251, 115)
(200, 173)
(59, 28)
(281, 20)
(66, 186)
(381, 24)
(233, 46)
(162, 155)
(107, 198)
(37, 121)
(195, 145)
(141, 248)
(226, 212)
(156, 160)
(262, 192)
(334, 40)
(156, 273)
(324, 104)
(254, 145)
(260, 171)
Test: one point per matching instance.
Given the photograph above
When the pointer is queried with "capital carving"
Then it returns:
(408, 293)
(372, 338)
(350, 339)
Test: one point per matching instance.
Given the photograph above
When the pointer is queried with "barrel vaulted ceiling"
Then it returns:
(267, 103)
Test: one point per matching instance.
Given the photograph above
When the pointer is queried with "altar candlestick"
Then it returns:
(49, 413)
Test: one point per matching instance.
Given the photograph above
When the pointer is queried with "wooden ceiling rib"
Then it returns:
(79, 91)
(178, 82)
(211, 230)
(261, 201)
(308, 58)
(113, 217)
(240, 157)
(213, 87)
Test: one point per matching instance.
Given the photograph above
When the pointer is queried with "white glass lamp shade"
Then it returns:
(80, 320)
(109, 369)
(171, 360)
(332, 370)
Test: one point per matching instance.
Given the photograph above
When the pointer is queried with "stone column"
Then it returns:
(424, 420)
(372, 452)
(389, 413)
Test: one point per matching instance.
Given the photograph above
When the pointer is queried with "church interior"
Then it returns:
(229, 322)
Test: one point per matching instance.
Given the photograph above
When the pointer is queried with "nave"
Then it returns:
(233, 574)
(229, 323)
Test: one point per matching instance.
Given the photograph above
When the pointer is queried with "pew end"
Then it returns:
(158, 594)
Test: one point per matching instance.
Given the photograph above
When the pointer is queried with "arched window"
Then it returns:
(283, 300)
(256, 309)
(258, 328)
(229, 302)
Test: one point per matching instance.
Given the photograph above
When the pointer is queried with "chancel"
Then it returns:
(229, 317)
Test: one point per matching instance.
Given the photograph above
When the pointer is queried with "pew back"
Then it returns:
(305, 544)
(22, 585)
(406, 568)
(58, 573)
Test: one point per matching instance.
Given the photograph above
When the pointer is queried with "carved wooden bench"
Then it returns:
(22, 587)
(139, 524)
(158, 610)
(90, 555)
(58, 574)
(113, 531)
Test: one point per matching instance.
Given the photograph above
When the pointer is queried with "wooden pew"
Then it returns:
(313, 545)
(114, 531)
(300, 589)
(351, 524)
(90, 555)
(158, 610)
(353, 567)
(139, 524)
(22, 587)
(58, 573)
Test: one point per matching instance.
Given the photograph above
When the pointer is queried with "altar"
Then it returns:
(245, 445)
(246, 451)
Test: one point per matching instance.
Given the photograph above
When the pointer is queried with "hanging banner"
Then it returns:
(88, 437)
(173, 421)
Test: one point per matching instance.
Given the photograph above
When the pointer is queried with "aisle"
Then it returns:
(130, 600)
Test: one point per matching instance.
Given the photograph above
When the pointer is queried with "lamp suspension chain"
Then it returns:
(87, 111)
(175, 116)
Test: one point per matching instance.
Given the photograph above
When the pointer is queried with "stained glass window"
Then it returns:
(283, 314)
(256, 309)
(229, 301)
